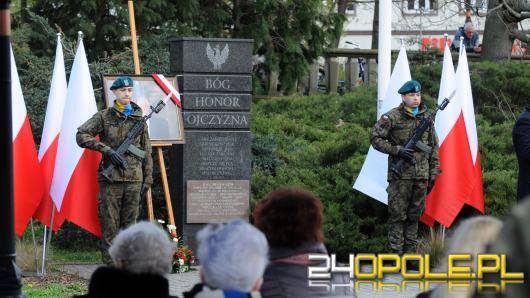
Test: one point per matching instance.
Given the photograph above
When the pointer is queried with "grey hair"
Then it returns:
(143, 248)
(233, 256)
(471, 237)
(469, 25)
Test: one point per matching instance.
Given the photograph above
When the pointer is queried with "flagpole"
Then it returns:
(49, 240)
(383, 51)
(133, 38)
(34, 246)
(10, 281)
(44, 249)
(136, 59)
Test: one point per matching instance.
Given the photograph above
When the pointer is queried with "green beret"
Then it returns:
(410, 86)
(120, 82)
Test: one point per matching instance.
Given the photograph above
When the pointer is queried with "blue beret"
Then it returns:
(124, 81)
(410, 86)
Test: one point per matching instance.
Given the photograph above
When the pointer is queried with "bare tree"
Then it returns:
(501, 28)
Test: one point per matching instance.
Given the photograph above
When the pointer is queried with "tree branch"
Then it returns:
(523, 13)
(520, 35)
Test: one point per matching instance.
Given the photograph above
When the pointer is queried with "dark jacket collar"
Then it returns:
(113, 282)
(277, 252)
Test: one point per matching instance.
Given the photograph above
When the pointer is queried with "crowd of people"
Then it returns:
(269, 258)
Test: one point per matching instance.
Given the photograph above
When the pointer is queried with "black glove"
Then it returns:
(406, 154)
(144, 189)
(116, 159)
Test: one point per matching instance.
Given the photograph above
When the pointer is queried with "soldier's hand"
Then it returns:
(116, 159)
(144, 189)
(406, 154)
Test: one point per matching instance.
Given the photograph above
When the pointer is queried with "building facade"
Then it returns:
(421, 23)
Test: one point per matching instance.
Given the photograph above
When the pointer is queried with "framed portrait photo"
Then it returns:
(166, 127)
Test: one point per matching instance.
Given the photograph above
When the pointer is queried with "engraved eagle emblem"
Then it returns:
(216, 56)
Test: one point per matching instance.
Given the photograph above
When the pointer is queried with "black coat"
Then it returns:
(110, 282)
(521, 143)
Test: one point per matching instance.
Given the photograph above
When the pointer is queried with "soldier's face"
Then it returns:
(412, 99)
(123, 95)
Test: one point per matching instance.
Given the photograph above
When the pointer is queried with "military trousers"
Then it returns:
(118, 205)
(406, 199)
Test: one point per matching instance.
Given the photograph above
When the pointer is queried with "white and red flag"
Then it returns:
(372, 180)
(27, 181)
(461, 179)
(168, 88)
(74, 186)
(50, 137)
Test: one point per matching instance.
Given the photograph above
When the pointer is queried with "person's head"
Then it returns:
(290, 217)
(472, 236)
(411, 93)
(143, 248)
(122, 88)
(233, 256)
(469, 30)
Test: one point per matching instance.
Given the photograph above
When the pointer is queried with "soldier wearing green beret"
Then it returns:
(118, 200)
(406, 193)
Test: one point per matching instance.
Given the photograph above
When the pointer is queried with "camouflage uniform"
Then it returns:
(406, 194)
(119, 200)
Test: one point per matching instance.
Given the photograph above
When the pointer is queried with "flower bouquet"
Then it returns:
(183, 257)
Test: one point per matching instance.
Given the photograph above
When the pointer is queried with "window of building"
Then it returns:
(476, 5)
(420, 6)
(351, 8)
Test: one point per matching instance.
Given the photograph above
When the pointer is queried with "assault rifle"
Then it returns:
(415, 140)
(127, 144)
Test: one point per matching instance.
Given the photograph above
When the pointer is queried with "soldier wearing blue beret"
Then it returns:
(406, 193)
(119, 200)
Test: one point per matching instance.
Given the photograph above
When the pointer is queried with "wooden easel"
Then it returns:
(165, 185)
(161, 162)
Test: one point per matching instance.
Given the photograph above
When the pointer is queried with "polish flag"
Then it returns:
(74, 185)
(28, 184)
(168, 88)
(372, 180)
(50, 137)
(461, 179)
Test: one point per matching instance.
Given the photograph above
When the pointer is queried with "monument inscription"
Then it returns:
(215, 83)
(217, 200)
(216, 120)
(223, 155)
(213, 101)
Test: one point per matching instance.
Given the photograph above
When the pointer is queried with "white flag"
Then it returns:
(372, 180)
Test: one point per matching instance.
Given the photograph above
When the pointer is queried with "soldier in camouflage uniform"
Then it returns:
(406, 194)
(118, 200)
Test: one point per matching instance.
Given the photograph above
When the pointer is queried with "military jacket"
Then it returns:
(393, 131)
(112, 127)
